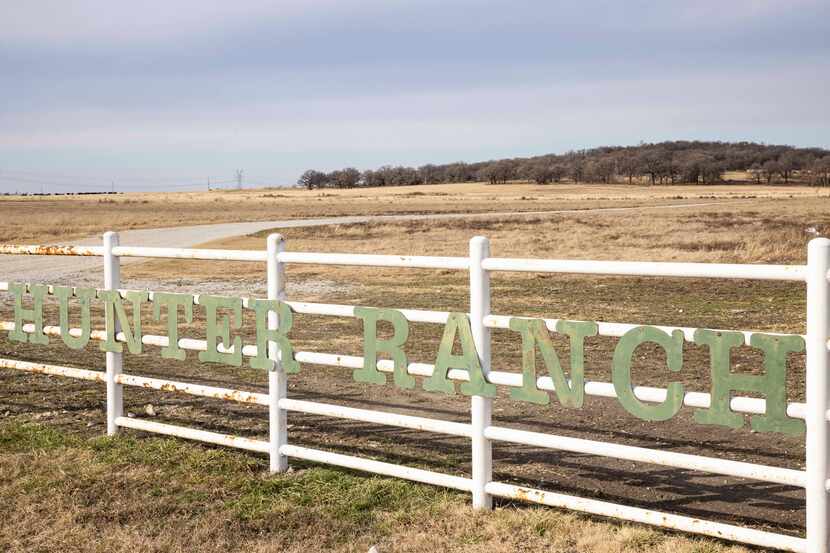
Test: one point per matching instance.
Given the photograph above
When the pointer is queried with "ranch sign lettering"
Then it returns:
(224, 316)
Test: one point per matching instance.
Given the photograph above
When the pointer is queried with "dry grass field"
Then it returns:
(59, 218)
(72, 489)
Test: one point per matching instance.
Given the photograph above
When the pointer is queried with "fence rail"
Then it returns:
(480, 430)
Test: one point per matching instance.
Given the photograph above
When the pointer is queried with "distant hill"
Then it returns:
(661, 163)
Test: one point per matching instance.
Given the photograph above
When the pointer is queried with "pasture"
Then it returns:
(88, 493)
(48, 219)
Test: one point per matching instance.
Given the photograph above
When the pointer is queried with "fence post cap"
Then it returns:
(820, 242)
(479, 247)
(480, 243)
(111, 237)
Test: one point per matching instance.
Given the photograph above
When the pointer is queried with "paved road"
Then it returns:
(59, 268)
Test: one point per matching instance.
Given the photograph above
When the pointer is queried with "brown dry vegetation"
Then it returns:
(74, 491)
(58, 218)
(125, 495)
(741, 231)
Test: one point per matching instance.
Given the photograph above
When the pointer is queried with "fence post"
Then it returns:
(115, 391)
(277, 381)
(817, 383)
(481, 407)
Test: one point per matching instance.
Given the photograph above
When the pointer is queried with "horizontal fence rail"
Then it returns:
(658, 457)
(646, 516)
(623, 268)
(655, 269)
(481, 431)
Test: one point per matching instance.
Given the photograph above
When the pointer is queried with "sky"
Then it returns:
(167, 95)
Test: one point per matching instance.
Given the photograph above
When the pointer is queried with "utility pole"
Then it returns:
(239, 174)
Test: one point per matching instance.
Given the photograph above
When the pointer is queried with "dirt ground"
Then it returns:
(759, 230)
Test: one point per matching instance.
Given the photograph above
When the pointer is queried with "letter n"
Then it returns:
(117, 320)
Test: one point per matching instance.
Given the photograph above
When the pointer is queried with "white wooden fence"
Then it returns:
(480, 430)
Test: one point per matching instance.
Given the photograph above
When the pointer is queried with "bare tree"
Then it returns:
(605, 170)
(312, 179)
(372, 178)
(652, 165)
(541, 173)
(757, 172)
(344, 178)
(771, 168)
(821, 171)
(630, 167)
(429, 174)
(576, 169)
(676, 161)
(788, 163)
(558, 172)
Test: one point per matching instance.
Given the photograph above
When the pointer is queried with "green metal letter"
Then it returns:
(279, 335)
(621, 372)
(393, 347)
(173, 301)
(222, 329)
(35, 314)
(85, 295)
(772, 384)
(534, 332)
(458, 324)
(113, 306)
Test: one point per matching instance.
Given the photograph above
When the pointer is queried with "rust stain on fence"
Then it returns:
(50, 250)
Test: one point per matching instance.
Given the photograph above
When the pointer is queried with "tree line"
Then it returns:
(660, 163)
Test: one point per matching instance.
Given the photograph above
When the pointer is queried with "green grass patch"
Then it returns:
(181, 496)
(173, 477)
(338, 495)
(175, 456)
(18, 437)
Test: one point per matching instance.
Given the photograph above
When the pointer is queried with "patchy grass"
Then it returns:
(30, 437)
(154, 494)
(72, 492)
(52, 219)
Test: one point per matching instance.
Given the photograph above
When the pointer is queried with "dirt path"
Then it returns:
(55, 269)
